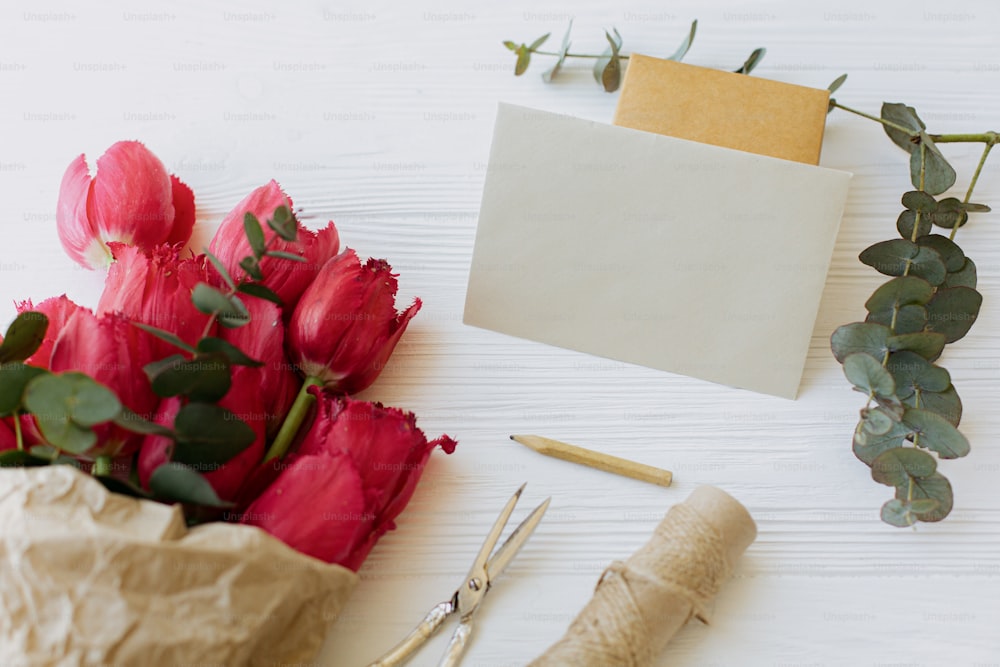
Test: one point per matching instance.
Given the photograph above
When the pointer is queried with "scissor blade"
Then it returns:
(505, 554)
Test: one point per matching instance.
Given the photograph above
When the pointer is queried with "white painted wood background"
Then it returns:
(378, 115)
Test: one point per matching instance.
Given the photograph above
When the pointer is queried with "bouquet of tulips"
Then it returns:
(216, 383)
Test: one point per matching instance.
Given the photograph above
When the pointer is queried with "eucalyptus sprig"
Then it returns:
(608, 64)
(912, 408)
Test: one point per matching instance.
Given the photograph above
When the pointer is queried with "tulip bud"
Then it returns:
(288, 279)
(354, 473)
(131, 199)
(346, 324)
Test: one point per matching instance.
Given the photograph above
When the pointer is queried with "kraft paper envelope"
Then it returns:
(649, 249)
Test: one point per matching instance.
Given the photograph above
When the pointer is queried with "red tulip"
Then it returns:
(131, 199)
(58, 309)
(354, 473)
(113, 352)
(7, 438)
(346, 324)
(285, 277)
(263, 339)
(154, 286)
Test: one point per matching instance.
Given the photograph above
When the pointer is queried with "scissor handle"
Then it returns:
(402, 651)
(459, 642)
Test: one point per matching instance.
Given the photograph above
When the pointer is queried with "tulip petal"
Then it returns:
(76, 233)
(58, 309)
(132, 198)
(184, 212)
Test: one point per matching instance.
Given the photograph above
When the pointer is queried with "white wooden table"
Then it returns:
(379, 115)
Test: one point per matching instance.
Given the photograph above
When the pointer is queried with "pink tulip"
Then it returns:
(7, 438)
(154, 286)
(346, 324)
(113, 352)
(285, 277)
(58, 309)
(353, 474)
(131, 199)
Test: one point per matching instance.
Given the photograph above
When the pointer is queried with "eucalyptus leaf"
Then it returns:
(563, 50)
(964, 277)
(283, 223)
(897, 513)
(895, 467)
(164, 335)
(511, 46)
(602, 63)
(122, 486)
(70, 397)
(211, 301)
(938, 175)
(24, 335)
(868, 446)
(946, 403)
(951, 254)
(209, 435)
(251, 267)
(135, 423)
(207, 377)
(179, 483)
(220, 268)
(914, 373)
(909, 319)
(867, 375)
(860, 337)
(261, 292)
(900, 291)
(936, 433)
(908, 219)
(236, 356)
(935, 487)
(918, 200)
(950, 212)
(255, 234)
(889, 257)
(905, 116)
(611, 76)
(18, 458)
(538, 42)
(837, 83)
(927, 344)
(876, 421)
(14, 379)
(685, 46)
(290, 256)
(952, 311)
(754, 59)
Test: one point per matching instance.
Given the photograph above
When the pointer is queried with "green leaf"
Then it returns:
(123, 487)
(523, 60)
(901, 291)
(950, 212)
(918, 200)
(601, 64)
(538, 42)
(976, 208)
(936, 433)
(906, 221)
(14, 378)
(18, 458)
(261, 292)
(928, 345)
(900, 114)
(936, 487)
(511, 46)
(255, 234)
(938, 174)
(964, 277)
(290, 256)
(217, 263)
(897, 513)
(230, 310)
(235, 355)
(914, 373)
(946, 403)
(209, 435)
(563, 50)
(685, 46)
(837, 83)
(895, 257)
(876, 421)
(910, 319)
(951, 254)
(70, 397)
(283, 223)
(611, 76)
(135, 423)
(251, 267)
(207, 377)
(867, 375)
(752, 61)
(952, 311)
(24, 335)
(165, 336)
(178, 483)
(896, 467)
(868, 446)
(859, 337)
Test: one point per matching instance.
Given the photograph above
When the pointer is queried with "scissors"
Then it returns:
(470, 593)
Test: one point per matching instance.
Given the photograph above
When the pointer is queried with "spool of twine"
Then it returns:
(639, 605)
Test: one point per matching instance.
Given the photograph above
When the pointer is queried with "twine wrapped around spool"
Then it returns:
(639, 605)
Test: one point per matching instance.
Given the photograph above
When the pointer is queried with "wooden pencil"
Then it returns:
(589, 457)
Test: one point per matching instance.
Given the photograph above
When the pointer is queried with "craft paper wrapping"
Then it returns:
(88, 577)
(672, 254)
(747, 113)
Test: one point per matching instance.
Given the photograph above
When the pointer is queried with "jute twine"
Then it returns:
(638, 605)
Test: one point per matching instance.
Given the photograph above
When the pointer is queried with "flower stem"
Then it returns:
(102, 466)
(293, 420)
(909, 132)
(578, 55)
(17, 432)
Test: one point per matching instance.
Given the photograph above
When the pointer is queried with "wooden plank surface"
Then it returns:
(378, 115)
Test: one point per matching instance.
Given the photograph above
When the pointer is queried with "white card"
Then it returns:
(663, 252)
